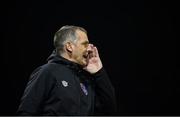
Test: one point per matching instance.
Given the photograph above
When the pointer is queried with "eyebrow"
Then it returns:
(85, 42)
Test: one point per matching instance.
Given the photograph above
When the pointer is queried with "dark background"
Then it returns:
(137, 42)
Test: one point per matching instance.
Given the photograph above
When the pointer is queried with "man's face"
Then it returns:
(79, 53)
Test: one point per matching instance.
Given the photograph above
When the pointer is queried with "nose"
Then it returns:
(89, 47)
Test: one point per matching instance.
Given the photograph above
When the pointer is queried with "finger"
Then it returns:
(96, 52)
(90, 50)
(93, 51)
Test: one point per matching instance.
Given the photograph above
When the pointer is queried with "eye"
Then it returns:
(85, 44)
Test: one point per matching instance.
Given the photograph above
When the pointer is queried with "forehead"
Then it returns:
(82, 36)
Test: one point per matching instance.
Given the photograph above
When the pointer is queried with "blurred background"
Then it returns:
(137, 42)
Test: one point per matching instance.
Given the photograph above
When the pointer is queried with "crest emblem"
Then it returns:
(83, 87)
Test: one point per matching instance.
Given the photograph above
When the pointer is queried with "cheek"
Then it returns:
(82, 50)
(78, 53)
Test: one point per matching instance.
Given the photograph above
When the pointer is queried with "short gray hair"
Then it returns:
(67, 32)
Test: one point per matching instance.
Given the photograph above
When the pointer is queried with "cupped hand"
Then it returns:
(94, 63)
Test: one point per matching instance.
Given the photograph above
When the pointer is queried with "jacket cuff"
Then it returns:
(98, 75)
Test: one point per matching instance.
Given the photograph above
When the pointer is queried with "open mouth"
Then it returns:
(85, 55)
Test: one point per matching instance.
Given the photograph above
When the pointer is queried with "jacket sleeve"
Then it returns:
(35, 92)
(105, 100)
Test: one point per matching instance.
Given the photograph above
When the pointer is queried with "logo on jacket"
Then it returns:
(64, 83)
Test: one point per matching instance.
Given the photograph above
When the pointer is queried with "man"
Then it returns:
(73, 82)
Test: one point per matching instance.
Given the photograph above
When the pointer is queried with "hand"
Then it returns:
(94, 63)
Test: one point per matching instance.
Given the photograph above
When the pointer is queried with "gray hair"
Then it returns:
(64, 34)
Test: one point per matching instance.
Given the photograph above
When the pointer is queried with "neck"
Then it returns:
(67, 56)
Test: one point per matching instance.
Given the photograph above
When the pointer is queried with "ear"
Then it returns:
(68, 47)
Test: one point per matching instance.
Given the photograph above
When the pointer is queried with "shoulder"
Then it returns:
(43, 72)
(56, 70)
(48, 68)
(52, 71)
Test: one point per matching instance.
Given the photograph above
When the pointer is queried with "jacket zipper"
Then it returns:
(78, 88)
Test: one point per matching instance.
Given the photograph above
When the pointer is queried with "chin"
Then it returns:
(84, 63)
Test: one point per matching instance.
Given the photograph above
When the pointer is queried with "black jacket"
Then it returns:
(62, 87)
